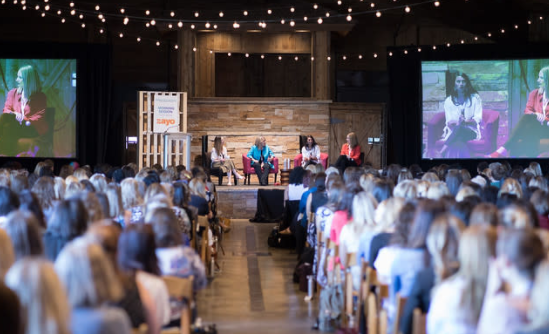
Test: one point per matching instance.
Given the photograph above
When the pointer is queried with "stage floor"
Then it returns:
(240, 202)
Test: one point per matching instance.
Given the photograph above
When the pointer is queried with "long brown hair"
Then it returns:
(218, 145)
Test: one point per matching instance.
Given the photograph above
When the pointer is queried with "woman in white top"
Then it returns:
(220, 159)
(463, 112)
(310, 152)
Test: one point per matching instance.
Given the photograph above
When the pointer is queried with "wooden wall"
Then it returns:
(281, 121)
(208, 44)
(367, 121)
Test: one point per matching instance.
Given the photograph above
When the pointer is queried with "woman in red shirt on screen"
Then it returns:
(532, 126)
(24, 111)
(350, 154)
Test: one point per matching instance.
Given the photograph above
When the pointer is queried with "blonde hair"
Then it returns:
(87, 274)
(484, 214)
(353, 142)
(99, 181)
(443, 242)
(153, 190)
(422, 186)
(130, 193)
(114, 195)
(514, 216)
(364, 206)
(511, 186)
(437, 190)
(387, 213)
(43, 299)
(536, 168)
(7, 254)
(73, 189)
(80, 174)
(367, 182)
(465, 192)
(197, 187)
(476, 247)
(538, 182)
(430, 176)
(406, 189)
(59, 188)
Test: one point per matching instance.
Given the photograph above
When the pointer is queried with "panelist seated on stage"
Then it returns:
(310, 153)
(262, 157)
(24, 111)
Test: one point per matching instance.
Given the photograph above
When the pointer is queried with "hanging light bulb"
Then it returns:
(245, 13)
(305, 18)
(172, 14)
(262, 56)
(319, 20)
(170, 26)
(139, 39)
(207, 25)
(121, 35)
(315, 6)
(221, 14)
(407, 9)
(378, 14)
(437, 3)
(180, 24)
(349, 18)
(292, 23)
(236, 25)
(147, 12)
(269, 11)
(292, 9)
(176, 46)
(122, 10)
(97, 7)
(157, 43)
(153, 22)
(196, 14)
(359, 56)
(126, 20)
(247, 55)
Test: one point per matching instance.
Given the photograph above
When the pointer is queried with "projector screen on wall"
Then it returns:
(38, 97)
(485, 109)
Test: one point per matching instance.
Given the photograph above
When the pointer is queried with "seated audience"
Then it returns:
(91, 284)
(25, 234)
(44, 303)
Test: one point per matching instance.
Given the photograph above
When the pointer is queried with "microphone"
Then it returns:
(170, 127)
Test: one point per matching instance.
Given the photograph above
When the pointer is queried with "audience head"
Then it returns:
(539, 307)
(484, 214)
(136, 249)
(44, 304)
(25, 234)
(197, 187)
(403, 225)
(382, 189)
(166, 231)
(406, 189)
(426, 212)
(437, 190)
(69, 219)
(387, 213)
(443, 242)
(131, 196)
(87, 274)
(520, 251)
(8, 201)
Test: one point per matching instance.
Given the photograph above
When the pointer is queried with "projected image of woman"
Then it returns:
(463, 111)
(24, 111)
(532, 126)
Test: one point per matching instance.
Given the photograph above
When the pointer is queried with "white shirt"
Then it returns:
(470, 109)
(306, 152)
(446, 315)
(215, 157)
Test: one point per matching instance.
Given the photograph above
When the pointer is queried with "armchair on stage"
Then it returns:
(323, 160)
(248, 169)
(478, 148)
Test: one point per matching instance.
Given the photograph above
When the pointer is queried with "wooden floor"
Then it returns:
(254, 292)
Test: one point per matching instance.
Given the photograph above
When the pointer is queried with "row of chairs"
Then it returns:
(367, 302)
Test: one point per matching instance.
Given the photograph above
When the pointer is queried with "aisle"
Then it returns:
(254, 291)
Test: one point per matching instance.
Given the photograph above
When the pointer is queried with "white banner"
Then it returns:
(166, 113)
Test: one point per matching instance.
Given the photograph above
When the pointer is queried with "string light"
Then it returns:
(372, 5)
(71, 4)
(375, 55)
(147, 12)
(245, 13)
(81, 17)
(176, 46)
(196, 14)
(157, 43)
(279, 57)
(305, 18)
(101, 31)
(194, 49)
(378, 14)
(211, 51)
(170, 26)
(312, 58)
(407, 9)
(292, 9)
(172, 14)
(292, 23)
(327, 14)
(192, 26)
(329, 58)
(282, 21)
(83, 25)
(315, 6)
(349, 18)
(153, 22)
(359, 56)
(138, 39)
(437, 3)
(121, 35)
(390, 54)
(262, 56)
(97, 7)
(269, 11)
(319, 20)
(236, 25)
(221, 14)
(180, 24)
(247, 55)
(207, 25)
(229, 54)
(215, 26)
(122, 10)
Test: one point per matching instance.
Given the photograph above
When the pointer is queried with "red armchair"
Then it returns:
(248, 169)
(478, 148)
(323, 160)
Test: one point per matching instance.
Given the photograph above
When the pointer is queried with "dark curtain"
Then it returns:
(100, 135)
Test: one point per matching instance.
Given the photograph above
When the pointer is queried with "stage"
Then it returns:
(240, 202)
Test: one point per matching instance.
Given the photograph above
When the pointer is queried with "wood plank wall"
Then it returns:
(367, 121)
(281, 121)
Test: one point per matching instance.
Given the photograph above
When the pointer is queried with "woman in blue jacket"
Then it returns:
(262, 158)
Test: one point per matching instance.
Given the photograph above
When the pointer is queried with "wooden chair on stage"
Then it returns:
(181, 289)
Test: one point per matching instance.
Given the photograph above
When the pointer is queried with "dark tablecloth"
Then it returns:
(270, 206)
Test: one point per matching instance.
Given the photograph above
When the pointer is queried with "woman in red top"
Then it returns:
(350, 154)
(532, 126)
(24, 111)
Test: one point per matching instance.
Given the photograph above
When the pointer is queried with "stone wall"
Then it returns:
(281, 121)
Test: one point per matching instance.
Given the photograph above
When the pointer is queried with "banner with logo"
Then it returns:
(166, 113)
